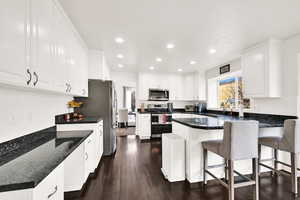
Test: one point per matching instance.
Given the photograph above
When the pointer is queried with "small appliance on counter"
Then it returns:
(201, 107)
(190, 108)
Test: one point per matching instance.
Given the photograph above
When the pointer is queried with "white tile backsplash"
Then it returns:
(23, 112)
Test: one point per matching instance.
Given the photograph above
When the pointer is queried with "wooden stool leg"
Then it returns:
(230, 180)
(294, 173)
(204, 166)
(255, 176)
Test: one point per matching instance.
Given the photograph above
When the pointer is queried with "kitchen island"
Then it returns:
(210, 127)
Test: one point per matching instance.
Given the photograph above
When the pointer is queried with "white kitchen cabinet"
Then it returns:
(41, 40)
(189, 88)
(89, 156)
(176, 87)
(51, 188)
(262, 70)
(40, 49)
(173, 157)
(14, 42)
(144, 126)
(182, 87)
(86, 157)
(200, 86)
(98, 67)
(75, 176)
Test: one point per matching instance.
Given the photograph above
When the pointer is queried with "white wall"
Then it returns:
(123, 79)
(24, 112)
(287, 104)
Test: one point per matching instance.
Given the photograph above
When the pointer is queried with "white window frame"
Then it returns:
(218, 79)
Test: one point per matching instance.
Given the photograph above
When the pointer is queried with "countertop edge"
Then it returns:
(33, 184)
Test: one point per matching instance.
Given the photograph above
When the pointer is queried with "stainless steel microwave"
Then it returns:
(158, 95)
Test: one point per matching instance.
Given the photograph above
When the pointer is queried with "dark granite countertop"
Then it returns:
(216, 121)
(85, 120)
(26, 161)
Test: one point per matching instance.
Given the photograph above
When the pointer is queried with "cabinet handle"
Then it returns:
(70, 87)
(89, 141)
(55, 190)
(67, 90)
(83, 91)
(36, 78)
(30, 77)
(86, 156)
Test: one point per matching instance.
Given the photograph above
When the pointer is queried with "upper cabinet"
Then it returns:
(182, 87)
(98, 67)
(14, 42)
(262, 70)
(39, 48)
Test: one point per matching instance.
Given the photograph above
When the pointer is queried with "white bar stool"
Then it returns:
(240, 141)
(289, 142)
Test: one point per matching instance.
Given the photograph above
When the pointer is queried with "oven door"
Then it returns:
(158, 129)
(160, 124)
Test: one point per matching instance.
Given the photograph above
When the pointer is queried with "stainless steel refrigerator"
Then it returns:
(102, 102)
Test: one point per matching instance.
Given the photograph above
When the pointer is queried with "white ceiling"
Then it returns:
(194, 26)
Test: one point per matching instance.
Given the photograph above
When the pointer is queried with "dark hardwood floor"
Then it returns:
(134, 174)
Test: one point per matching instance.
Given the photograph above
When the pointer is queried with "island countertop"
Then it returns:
(216, 121)
(26, 161)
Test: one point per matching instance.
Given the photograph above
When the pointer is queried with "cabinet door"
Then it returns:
(254, 71)
(145, 125)
(188, 90)
(59, 50)
(89, 156)
(14, 41)
(176, 87)
(42, 43)
(52, 187)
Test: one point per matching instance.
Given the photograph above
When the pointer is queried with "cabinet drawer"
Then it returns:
(52, 187)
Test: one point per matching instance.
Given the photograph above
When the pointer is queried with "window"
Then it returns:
(226, 92)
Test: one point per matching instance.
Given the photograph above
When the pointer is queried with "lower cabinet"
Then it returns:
(89, 156)
(85, 159)
(51, 188)
(72, 173)
(143, 126)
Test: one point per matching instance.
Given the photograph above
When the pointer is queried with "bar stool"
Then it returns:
(289, 142)
(240, 141)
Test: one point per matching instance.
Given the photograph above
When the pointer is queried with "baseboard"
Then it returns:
(72, 194)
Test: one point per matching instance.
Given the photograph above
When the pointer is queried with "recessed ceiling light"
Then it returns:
(158, 60)
(180, 70)
(120, 65)
(192, 62)
(120, 56)
(151, 68)
(119, 40)
(170, 46)
(212, 51)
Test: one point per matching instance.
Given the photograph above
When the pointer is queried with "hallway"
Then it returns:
(134, 174)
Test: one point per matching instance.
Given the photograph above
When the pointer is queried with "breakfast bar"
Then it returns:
(209, 126)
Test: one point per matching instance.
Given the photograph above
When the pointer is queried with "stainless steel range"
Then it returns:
(161, 119)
